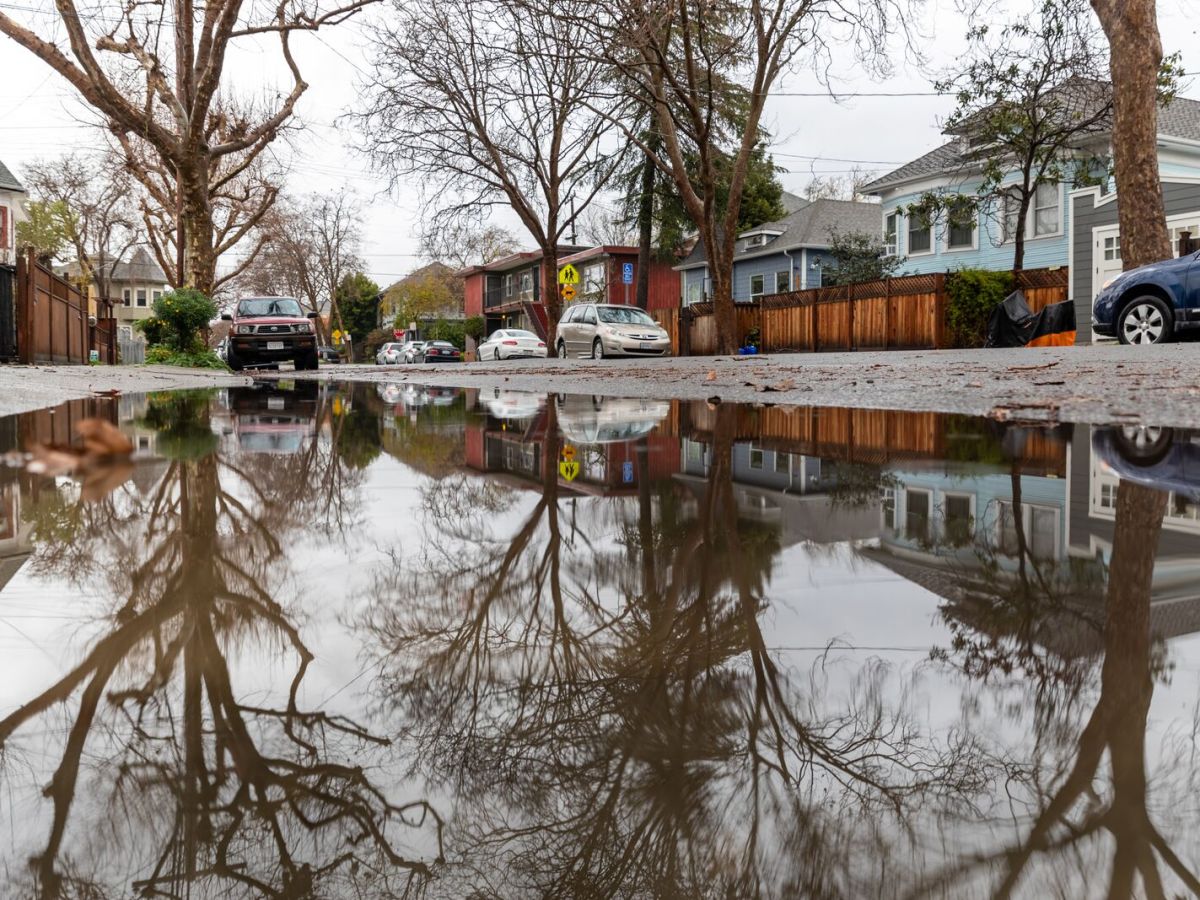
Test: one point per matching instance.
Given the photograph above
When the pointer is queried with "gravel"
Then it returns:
(1094, 383)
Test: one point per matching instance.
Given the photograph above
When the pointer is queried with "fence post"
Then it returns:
(24, 301)
(812, 326)
(851, 344)
(762, 326)
(887, 312)
(939, 311)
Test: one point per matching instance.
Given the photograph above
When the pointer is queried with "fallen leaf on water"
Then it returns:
(101, 438)
(101, 464)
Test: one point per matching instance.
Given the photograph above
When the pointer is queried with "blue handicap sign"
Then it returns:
(627, 472)
(627, 273)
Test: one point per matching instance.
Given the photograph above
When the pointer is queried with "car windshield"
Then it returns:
(623, 315)
(269, 306)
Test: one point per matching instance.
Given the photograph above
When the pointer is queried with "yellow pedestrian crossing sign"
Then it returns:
(568, 274)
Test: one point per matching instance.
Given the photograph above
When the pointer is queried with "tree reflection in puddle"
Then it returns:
(210, 794)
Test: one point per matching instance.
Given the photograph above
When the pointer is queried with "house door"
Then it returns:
(1106, 256)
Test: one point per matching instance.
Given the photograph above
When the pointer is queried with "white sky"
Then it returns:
(39, 115)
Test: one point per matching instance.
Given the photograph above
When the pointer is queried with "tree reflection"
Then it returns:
(1092, 795)
(611, 716)
(218, 793)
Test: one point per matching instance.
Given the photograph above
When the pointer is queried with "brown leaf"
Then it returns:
(711, 376)
(102, 438)
(48, 460)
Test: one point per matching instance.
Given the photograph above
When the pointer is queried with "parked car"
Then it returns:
(439, 352)
(266, 331)
(329, 354)
(583, 419)
(511, 343)
(1162, 458)
(1150, 304)
(411, 351)
(390, 354)
(598, 330)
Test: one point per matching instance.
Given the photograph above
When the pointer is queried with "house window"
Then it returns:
(1112, 248)
(155, 295)
(527, 282)
(756, 286)
(920, 235)
(783, 281)
(960, 525)
(1012, 216)
(141, 297)
(695, 291)
(1193, 230)
(756, 240)
(509, 284)
(889, 509)
(960, 234)
(1045, 210)
(593, 279)
(1043, 532)
(756, 458)
(3, 227)
(783, 463)
(126, 296)
(891, 224)
(916, 516)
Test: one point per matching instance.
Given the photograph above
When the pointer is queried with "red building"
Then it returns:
(507, 292)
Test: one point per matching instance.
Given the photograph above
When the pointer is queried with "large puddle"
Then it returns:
(382, 641)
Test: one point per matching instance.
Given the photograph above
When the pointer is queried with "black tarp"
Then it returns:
(1013, 324)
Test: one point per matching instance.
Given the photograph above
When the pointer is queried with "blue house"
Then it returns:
(787, 255)
(987, 241)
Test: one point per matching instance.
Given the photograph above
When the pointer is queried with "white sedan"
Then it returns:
(511, 343)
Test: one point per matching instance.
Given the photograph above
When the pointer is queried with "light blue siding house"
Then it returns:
(987, 241)
(790, 254)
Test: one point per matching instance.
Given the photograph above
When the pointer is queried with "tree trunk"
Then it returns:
(645, 233)
(1019, 237)
(551, 299)
(1134, 59)
(720, 270)
(200, 262)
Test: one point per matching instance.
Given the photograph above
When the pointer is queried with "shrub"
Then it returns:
(153, 328)
(162, 355)
(183, 313)
(374, 340)
(474, 327)
(972, 294)
(444, 330)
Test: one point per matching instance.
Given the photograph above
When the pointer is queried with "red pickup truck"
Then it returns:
(266, 331)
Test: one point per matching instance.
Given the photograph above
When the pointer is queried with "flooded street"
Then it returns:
(385, 640)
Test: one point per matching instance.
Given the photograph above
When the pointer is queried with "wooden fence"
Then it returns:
(867, 436)
(52, 322)
(906, 313)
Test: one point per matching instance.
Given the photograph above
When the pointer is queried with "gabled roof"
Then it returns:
(517, 260)
(141, 268)
(808, 226)
(1178, 119)
(8, 181)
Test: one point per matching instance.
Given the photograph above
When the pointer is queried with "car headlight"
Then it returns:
(304, 328)
(611, 331)
(1111, 282)
(245, 329)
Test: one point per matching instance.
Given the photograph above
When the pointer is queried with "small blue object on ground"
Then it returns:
(748, 351)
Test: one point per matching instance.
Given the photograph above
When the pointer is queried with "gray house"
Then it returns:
(790, 254)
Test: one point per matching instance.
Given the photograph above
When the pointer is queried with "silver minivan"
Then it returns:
(598, 330)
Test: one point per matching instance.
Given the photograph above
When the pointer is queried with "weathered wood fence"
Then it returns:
(868, 436)
(51, 320)
(905, 313)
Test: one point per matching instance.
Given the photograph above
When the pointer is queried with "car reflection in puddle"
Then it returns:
(390, 640)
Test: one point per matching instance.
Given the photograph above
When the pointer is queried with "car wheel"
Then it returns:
(1143, 445)
(597, 349)
(561, 349)
(1146, 320)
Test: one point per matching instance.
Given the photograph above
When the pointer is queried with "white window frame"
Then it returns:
(1031, 233)
(908, 233)
(931, 518)
(960, 248)
(945, 521)
(762, 458)
(762, 286)
(141, 300)
(593, 279)
(509, 284)
(127, 297)
(891, 239)
(1027, 525)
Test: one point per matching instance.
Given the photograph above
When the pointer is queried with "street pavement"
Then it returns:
(1102, 383)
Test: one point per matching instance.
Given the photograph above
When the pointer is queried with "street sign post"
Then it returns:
(627, 273)
(568, 274)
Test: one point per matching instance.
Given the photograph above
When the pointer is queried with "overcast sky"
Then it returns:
(39, 115)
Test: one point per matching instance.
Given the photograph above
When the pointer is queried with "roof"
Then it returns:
(515, 260)
(8, 181)
(808, 226)
(603, 250)
(1178, 119)
(140, 269)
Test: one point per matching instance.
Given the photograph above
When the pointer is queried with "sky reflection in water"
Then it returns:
(387, 641)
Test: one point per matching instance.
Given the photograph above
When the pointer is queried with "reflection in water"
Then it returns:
(613, 642)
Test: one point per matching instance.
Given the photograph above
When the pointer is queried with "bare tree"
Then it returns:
(101, 218)
(697, 67)
(851, 186)
(461, 244)
(154, 74)
(490, 105)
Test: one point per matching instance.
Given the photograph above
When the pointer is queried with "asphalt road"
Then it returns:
(1105, 383)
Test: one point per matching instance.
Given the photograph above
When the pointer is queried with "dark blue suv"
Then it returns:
(1149, 305)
